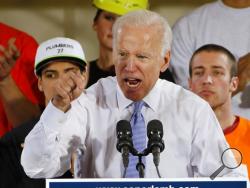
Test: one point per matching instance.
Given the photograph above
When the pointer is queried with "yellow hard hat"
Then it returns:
(120, 7)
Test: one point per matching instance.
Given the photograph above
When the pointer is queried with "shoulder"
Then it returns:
(102, 91)
(93, 64)
(9, 30)
(183, 106)
(175, 91)
(26, 41)
(245, 122)
(21, 36)
(196, 15)
(19, 133)
(104, 85)
(179, 96)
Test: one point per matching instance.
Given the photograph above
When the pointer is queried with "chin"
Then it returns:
(212, 103)
(133, 96)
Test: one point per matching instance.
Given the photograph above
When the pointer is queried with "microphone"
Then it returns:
(124, 142)
(155, 142)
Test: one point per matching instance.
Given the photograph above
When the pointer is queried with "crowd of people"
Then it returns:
(195, 81)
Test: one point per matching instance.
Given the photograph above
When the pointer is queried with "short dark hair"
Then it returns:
(73, 61)
(216, 48)
(98, 12)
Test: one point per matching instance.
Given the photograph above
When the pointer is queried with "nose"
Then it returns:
(130, 65)
(207, 79)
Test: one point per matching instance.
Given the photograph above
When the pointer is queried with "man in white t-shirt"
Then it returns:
(226, 23)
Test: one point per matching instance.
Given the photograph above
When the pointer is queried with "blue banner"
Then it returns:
(100, 183)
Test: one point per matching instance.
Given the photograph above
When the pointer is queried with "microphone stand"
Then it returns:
(140, 166)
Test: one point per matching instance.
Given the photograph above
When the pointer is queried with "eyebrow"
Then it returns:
(198, 67)
(218, 67)
(71, 68)
(67, 69)
(48, 70)
(213, 67)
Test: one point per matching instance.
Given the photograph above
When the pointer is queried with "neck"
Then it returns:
(105, 61)
(237, 3)
(225, 115)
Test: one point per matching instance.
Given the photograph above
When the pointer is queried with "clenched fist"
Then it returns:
(68, 88)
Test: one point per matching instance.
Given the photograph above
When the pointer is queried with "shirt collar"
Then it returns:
(151, 100)
(153, 97)
(122, 101)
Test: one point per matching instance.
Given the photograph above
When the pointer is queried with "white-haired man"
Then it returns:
(141, 46)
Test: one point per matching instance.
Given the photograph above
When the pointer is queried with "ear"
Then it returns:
(39, 84)
(165, 63)
(234, 84)
(94, 26)
(190, 84)
(85, 76)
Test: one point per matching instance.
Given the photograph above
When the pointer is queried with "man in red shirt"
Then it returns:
(19, 96)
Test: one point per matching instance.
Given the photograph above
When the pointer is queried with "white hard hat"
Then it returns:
(59, 48)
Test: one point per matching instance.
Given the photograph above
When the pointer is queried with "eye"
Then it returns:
(109, 18)
(143, 57)
(123, 54)
(50, 75)
(218, 73)
(198, 73)
(139, 56)
(74, 70)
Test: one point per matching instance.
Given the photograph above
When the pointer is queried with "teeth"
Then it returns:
(131, 79)
(133, 83)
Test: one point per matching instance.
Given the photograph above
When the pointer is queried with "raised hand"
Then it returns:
(67, 89)
(8, 57)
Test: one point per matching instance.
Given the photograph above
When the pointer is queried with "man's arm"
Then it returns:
(48, 148)
(208, 146)
(17, 107)
(243, 72)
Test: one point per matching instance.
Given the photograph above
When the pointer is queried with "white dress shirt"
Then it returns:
(193, 138)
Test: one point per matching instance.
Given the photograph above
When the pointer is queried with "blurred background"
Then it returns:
(45, 19)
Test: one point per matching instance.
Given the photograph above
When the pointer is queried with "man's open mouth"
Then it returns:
(132, 82)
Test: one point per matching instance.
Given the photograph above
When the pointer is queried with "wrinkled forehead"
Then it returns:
(138, 37)
(152, 29)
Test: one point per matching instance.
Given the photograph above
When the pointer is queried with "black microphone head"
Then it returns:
(124, 135)
(155, 134)
(154, 126)
(123, 127)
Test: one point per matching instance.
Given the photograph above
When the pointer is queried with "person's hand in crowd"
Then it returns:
(8, 57)
(243, 72)
(68, 88)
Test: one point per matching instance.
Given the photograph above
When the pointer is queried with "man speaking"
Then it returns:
(192, 137)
